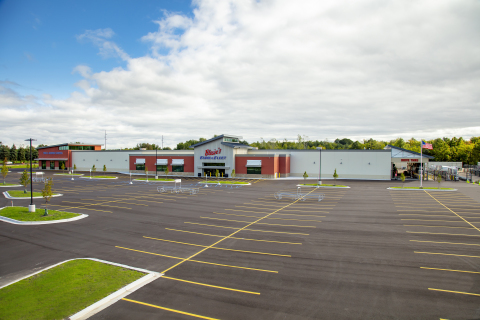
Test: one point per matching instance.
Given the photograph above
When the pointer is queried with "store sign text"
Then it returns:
(213, 158)
(209, 152)
(52, 152)
(409, 160)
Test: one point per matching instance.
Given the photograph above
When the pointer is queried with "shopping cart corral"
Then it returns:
(177, 188)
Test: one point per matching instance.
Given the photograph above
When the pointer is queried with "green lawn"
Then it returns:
(323, 185)
(22, 214)
(68, 174)
(21, 166)
(9, 184)
(21, 194)
(225, 182)
(64, 290)
(156, 180)
(421, 188)
(103, 177)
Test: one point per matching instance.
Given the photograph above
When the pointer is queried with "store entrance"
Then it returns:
(211, 172)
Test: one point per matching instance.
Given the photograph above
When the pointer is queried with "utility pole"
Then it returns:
(31, 207)
(162, 141)
(105, 139)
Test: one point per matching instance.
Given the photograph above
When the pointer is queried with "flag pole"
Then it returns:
(421, 163)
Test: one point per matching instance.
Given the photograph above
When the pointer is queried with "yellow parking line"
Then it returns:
(448, 234)
(448, 254)
(285, 225)
(421, 225)
(425, 215)
(211, 225)
(449, 270)
(218, 248)
(432, 220)
(452, 211)
(247, 239)
(247, 211)
(209, 285)
(198, 261)
(297, 219)
(168, 309)
(467, 293)
(302, 215)
(465, 244)
(303, 234)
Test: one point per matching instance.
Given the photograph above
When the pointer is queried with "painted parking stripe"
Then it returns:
(467, 293)
(218, 248)
(212, 225)
(209, 285)
(448, 254)
(198, 261)
(168, 309)
(444, 242)
(448, 234)
(247, 239)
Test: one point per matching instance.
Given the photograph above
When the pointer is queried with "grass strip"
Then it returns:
(22, 214)
(103, 177)
(63, 290)
(68, 174)
(421, 188)
(9, 184)
(22, 194)
(225, 182)
(156, 180)
(323, 185)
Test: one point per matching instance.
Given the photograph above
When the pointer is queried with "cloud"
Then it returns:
(107, 48)
(275, 69)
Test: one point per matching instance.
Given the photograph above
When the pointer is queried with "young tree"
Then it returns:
(439, 180)
(402, 177)
(6, 153)
(94, 169)
(217, 173)
(233, 173)
(305, 176)
(47, 193)
(104, 168)
(62, 166)
(335, 176)
(166, 171)
(4, 169)
(146, 171)
(74, 167)
(24, 180)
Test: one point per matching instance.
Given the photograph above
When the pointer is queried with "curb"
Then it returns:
(99, 178)
(399, 189)
(68, 175)
(152, 180)
(298, 185)
(226, 184)
(13, 221)
(110, 299)
(7, 195)
(13, 186)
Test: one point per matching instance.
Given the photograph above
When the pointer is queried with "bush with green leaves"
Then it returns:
(402, 177)
(47, 193)
(305, 176)
(24, 180)
(4, 170)
(335, 176)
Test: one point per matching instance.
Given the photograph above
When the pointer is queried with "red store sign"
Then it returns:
(409, 160)
(209, 152)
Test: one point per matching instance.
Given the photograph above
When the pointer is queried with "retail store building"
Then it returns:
(225, 153)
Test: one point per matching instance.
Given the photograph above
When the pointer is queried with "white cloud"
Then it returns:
(275, 69)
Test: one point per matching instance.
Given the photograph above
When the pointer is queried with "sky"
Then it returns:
(260, 69)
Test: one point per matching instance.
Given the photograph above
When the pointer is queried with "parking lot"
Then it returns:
(238, 253)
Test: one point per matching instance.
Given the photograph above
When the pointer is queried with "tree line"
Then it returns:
(14, 154)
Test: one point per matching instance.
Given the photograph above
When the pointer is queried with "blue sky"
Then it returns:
(39, 44)
(69, 70)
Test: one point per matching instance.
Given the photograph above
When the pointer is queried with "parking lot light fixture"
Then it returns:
(31, 207)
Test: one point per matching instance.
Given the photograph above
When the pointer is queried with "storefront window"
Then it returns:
(60, 164)
(210, 164)
(177, 168)
(44, 165)
(52, 165)
(140, 166)
(254, 170)
(161, 167)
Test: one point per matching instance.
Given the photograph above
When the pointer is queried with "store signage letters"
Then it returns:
(52, 152)
(209, 152)
(409, 160)
(213, 158)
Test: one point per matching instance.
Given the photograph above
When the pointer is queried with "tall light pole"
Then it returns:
(320, 169)
(31, 207)
(156, 160)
